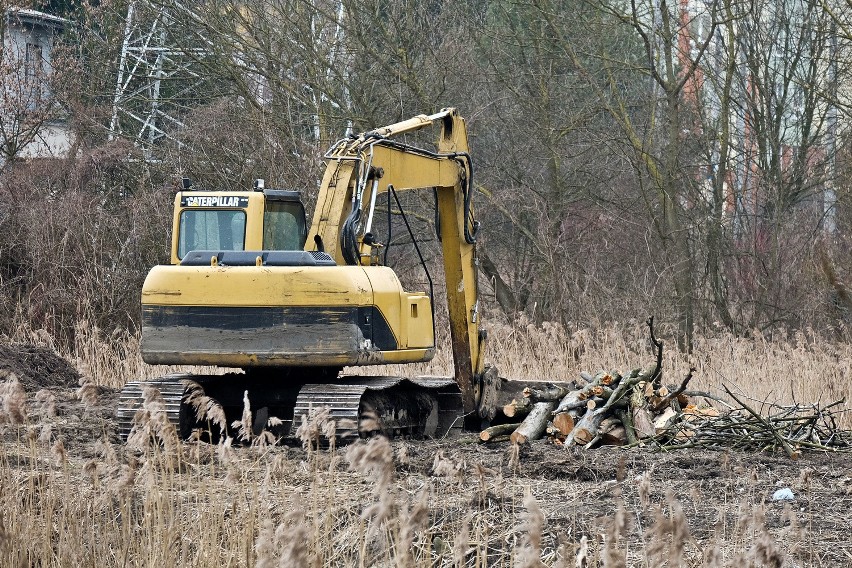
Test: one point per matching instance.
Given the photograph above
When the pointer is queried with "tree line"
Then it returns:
(687, 159)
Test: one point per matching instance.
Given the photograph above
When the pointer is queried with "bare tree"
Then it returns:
(767, 142)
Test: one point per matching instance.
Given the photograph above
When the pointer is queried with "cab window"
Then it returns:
(211, 230)
(284, 226)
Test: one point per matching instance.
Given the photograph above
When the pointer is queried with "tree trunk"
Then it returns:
(504, 293)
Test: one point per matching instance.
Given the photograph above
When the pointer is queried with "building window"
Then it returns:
(33, 72)
(33, 60)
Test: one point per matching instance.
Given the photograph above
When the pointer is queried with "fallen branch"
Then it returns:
(705, 394)
(672, 395)
(657, 375)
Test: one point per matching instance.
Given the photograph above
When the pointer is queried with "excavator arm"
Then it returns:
(361, 168)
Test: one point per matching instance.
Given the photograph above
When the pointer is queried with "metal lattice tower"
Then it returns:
(156, 82)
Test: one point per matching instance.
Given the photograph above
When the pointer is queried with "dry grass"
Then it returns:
(802, 368)
(67, 501)
(209, 506)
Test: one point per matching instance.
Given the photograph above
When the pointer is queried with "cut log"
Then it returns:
(518, 408)
(576, 413)
(570, 401)
(509, 389)
(587, 392)
(489, 434)
(643, 420)
(600, 391)
(533, 426)
(552, 431)
(608, 379)
(553, 392)
(619, 395)
(574, 398)
(608, 424)
(643, 423)
(587, 428)
(564, 422)
(627, 419)
(664, 420)
(615, 437)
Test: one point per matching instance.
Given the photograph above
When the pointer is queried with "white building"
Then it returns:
(32, 123)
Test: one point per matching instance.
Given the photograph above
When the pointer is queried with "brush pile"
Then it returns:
(770, 427)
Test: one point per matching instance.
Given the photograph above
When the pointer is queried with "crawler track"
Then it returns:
(394, 406)
(360, 406)
(172, 389)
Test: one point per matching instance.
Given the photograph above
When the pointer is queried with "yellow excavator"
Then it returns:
(250, 286)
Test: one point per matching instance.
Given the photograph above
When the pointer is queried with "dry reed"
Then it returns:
(153, 502)
(14, 408)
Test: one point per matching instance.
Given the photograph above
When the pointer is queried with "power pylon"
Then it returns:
(156, 82)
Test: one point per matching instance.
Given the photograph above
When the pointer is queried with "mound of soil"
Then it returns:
(37, 367)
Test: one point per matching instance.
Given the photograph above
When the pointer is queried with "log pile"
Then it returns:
(636, 409)
(607, 408)
(610, 409)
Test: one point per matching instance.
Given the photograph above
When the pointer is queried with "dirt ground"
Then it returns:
(575, 488)
(37, 367)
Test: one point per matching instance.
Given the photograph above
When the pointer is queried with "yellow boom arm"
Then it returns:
(364, 166)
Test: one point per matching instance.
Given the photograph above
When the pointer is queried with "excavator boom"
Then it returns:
(367, 165)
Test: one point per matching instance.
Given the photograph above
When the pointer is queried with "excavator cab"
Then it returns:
(242, 292)
(265, 219)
